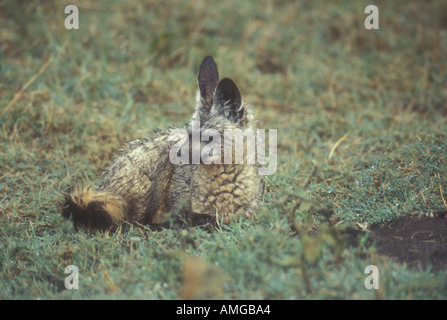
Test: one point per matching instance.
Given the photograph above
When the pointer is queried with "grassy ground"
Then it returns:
(361, 119)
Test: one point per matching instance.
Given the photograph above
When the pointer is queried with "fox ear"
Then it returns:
(228, 100)
(207, 79)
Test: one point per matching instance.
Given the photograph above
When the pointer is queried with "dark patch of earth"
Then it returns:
(420, 242)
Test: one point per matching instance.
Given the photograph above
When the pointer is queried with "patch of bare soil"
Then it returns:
(419, 242)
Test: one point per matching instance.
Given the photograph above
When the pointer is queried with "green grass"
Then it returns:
(70, 98)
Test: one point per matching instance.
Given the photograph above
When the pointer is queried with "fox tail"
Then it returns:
(93, 209)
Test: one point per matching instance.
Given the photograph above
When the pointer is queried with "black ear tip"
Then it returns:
(229, 89)
(208, 64)
(208, 59)
(227, 82)
(208, 78)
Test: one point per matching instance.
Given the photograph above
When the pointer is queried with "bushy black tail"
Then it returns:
(92, 209)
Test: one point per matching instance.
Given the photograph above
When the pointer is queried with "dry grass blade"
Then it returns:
(19, 94)
(336, 145)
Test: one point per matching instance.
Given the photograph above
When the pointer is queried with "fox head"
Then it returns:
(221, 118)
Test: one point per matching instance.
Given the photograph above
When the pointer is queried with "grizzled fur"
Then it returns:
(142, 185)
